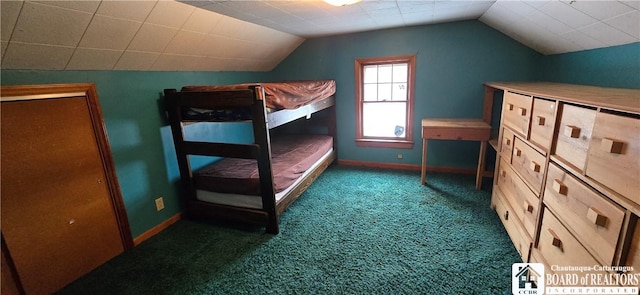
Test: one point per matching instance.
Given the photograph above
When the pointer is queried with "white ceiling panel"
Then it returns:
(3, 48)
(85, 6)
(607, 34)
(202, 21)
(174, 62)
(93, 59)
(577, 29)
(109, 33)
(46, 24)
(185, 42)
(170, 14)
(9, 11)
(216, 35)
(152, 38)
(130, 10)
(136, 60)
(566, 14)
(600, 9)
(627, 23)
(35, 56)
(583, 40)
(633, 3)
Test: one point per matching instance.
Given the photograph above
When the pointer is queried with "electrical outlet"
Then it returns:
(159, 204)
(399, 156)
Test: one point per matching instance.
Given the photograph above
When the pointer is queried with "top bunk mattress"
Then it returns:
(291, 156)
(281, 95)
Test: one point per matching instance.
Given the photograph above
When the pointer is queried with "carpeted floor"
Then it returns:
(355, 231)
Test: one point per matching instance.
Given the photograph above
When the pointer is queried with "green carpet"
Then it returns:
(354, 231)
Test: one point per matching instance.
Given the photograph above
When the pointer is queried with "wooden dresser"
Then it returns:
(567, 178)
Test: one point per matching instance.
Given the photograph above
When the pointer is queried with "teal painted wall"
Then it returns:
(138, 133)
(453, 61)
(617, 66)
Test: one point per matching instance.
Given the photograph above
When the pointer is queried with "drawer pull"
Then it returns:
(541, 120)
(507, 141)
(510, 105)
(611, 145)
(572, 131)
(503, 173)
(506, 215)
(596, 217)
(534, 166)
(528, 207)
(518, 152)
(523, 111)
(555, 240)
(559, 187)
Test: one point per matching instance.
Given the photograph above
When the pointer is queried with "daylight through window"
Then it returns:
(385, 91)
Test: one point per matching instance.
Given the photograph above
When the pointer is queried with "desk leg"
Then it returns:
(423, 175)
(480, 172)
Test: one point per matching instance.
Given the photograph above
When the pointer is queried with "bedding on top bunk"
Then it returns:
(291, 156)
(281, 95)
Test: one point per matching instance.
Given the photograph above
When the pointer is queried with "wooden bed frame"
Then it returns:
(260, 150)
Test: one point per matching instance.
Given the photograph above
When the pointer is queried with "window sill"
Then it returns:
(385, 143)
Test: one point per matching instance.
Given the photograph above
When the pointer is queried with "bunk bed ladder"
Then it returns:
(261, 138)
(260, 150)
(175, 120)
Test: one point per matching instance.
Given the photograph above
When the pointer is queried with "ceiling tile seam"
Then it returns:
(604, 21)
(172, 38)
(625, 3)
(538, 43)
(211, 29)
(519, 38)
(599, 19)
(286, 12)
(611, 27)
(42, 44)
(75, 48)
(11, 35)
(602, 44)
(222, 16)
(62, 7)
(373, 10)
(559, 20)
(126, 48)
(115, 17)
(579, 29)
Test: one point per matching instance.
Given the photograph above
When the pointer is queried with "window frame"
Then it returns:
(385, 142)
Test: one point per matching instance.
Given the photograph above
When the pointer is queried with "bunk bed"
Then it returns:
(253, 183)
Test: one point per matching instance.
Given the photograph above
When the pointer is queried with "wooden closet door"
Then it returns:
(58, 218)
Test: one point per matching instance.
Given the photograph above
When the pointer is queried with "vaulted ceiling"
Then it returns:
(256, 35)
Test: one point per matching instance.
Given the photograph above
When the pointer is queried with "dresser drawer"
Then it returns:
(542, 123)
(559, 247)
(536, 257)
(574, 134)
(614, 154)
(506, 146)
(523, 201)
(519, 237)
(516, 112)
(595, 220)
(529, 164)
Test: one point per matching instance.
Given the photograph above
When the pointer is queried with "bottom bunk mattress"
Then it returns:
(291, 157)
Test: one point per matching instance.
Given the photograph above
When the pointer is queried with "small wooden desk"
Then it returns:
(456, 129)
